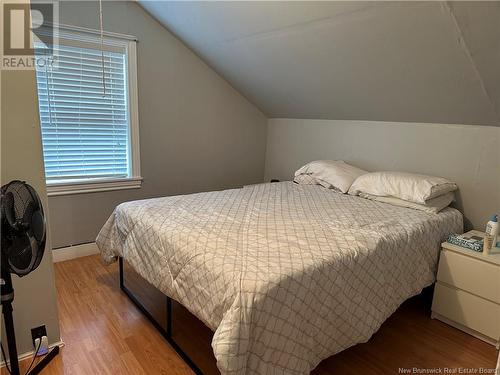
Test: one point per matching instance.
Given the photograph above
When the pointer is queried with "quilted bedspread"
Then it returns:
(284, 274)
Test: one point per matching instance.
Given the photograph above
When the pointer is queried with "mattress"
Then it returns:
(284, 274)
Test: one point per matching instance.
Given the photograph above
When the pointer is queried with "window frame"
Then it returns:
(129, 44)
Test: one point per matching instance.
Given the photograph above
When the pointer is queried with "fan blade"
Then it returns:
(38, 226)
(28, 213)
(20, 253)
(8, 208)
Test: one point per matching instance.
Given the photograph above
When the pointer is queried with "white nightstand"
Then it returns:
(467, 293)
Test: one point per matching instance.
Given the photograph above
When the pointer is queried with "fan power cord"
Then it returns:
(5, 359)
(34, 355)
(32, 360)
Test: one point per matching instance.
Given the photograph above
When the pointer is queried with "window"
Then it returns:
(89, 124)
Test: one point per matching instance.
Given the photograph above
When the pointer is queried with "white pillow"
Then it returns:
(307, 179)
(407, 186)
(336, 173)
(433, 205)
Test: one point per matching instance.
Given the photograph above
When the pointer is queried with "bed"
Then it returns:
(285, 275)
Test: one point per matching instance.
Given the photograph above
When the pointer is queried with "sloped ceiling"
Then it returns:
(411, 61)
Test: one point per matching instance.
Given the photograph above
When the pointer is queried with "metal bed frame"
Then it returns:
(166, 333)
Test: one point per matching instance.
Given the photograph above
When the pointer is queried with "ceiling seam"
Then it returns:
(307, 24)
(461, 41)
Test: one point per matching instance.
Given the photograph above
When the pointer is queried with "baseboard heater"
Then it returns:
(187, 335)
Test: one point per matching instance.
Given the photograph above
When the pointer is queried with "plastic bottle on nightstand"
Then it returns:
(491, 234)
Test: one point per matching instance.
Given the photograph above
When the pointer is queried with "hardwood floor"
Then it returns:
(104, 333)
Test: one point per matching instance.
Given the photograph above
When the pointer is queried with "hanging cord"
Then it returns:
(48, 91)
(102, 49)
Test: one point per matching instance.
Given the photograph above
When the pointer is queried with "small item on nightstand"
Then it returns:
(490, 237)
(467, 241)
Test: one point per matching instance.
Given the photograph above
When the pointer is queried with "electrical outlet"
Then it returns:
(38, 333)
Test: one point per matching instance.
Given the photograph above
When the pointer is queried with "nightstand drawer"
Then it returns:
(467, 309)
(469, 274)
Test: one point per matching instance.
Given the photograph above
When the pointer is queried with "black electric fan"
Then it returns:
(23, 243)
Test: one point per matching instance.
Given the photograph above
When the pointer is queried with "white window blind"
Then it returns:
(85, 124)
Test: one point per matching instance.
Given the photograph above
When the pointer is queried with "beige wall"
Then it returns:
(197, 133)
(469, 155)
(21, 158)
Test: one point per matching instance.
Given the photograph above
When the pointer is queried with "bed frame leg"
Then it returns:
(167, 334)
(120, 263)
(169, 317)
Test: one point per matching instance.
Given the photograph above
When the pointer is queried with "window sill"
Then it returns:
(94, 186)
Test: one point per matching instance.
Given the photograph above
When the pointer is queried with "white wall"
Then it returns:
(466, 154)
(21, 158)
